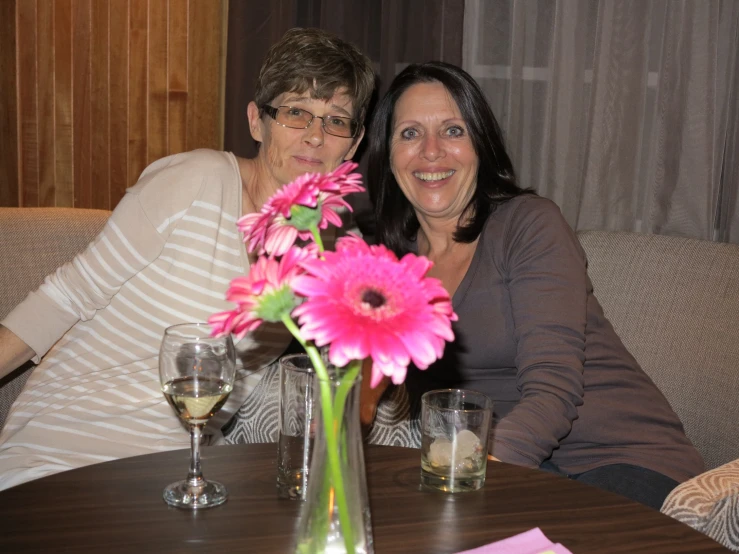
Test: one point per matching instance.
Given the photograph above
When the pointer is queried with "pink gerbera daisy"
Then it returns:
(309, 202)
(264, 295)
(363, 301)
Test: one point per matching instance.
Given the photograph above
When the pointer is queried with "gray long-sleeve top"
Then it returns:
(533, 337)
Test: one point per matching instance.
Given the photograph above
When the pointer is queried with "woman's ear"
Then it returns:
(255, 122)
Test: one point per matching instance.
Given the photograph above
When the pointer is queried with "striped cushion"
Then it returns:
(710, 504)
(256, 421)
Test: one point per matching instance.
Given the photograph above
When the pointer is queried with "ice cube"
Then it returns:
(467, 444)
(465, 450)
(440, 452)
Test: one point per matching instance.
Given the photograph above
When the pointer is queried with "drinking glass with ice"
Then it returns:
(455, 425)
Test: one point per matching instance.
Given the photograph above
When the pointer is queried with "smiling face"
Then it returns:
(432, 156)
(287, 153)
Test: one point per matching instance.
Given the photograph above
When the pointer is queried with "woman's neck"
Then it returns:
(436, 237)
(451, 259)
(257, 184)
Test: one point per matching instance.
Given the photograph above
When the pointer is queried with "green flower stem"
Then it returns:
(317, 238)
(332, 447)
(343, 391)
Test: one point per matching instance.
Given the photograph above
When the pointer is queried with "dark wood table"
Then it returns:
(117, 507)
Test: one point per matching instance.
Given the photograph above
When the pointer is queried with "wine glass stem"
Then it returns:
(195, 475)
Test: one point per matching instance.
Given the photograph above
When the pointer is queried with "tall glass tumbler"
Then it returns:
(295, 430)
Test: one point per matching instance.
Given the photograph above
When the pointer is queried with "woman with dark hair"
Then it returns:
(568, 397)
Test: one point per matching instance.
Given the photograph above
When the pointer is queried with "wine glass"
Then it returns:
(197, 375)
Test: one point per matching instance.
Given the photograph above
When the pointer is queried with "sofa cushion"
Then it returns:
(33, 243)
(710, 504)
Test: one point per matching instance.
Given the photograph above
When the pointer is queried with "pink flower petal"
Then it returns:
(311, 190)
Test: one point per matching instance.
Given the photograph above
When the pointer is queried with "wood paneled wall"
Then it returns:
(92, 91)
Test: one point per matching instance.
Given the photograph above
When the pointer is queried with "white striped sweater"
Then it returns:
(166, 256)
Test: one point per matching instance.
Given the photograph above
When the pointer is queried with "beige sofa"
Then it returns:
(674, 302)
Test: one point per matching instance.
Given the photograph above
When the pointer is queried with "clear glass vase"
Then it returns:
(335, 516)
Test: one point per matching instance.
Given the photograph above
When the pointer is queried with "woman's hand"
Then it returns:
(369, 398)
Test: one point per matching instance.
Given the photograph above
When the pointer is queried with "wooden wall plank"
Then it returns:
(47, 181)
(119, 180)
(156, 136)
(178, 50)
(203, 109)
(81, 32)
(91, 91)
(8, 107)
(137, 88)
(63, 104)
(27, 114)
(99, 106)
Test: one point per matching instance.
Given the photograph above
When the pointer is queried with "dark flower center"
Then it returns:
(373, 298)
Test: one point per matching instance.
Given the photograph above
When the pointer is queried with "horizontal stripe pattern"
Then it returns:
(96, 395)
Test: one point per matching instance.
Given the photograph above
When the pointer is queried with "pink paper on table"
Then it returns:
(530, 542)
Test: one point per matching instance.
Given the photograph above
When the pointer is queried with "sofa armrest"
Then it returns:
(709, 503)
(33, 243)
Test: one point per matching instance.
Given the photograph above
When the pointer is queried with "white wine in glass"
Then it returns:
(197, 375)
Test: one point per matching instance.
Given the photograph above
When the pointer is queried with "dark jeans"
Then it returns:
(634, 482)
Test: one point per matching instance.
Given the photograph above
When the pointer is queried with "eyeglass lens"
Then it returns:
(298, 118)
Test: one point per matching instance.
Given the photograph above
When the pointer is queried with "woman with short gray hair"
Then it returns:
(166, 256)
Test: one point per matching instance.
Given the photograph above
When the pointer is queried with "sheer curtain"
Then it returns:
(624, 112)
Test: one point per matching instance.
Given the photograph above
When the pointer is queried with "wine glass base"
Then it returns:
(206, 495)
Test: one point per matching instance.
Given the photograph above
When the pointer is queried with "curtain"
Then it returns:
(624, 112)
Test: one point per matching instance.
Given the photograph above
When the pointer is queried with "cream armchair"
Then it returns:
(675, 303)
(33, 243)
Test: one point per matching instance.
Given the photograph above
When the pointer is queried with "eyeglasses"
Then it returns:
(297, 118)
